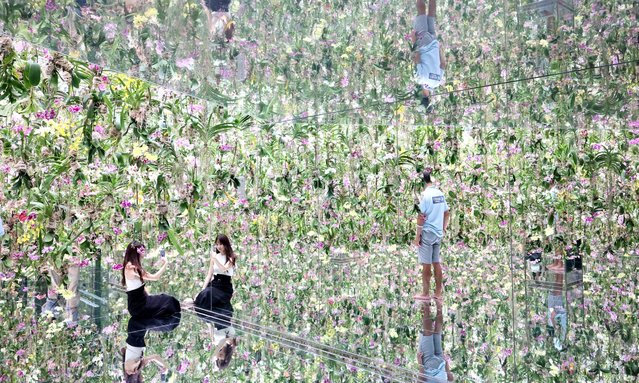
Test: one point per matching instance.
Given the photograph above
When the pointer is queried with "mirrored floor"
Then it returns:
(347, 338)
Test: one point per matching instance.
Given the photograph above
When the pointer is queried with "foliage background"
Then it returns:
(92, 158)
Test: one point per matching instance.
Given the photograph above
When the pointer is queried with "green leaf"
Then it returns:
(32, 73)
(174, 241)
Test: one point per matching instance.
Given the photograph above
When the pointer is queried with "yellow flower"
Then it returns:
(151, 157)
(318, 29)
(139, 151)
(67, 294)
(151, 13)
(543, 43)
(549, 231)
(258, 346)
(61, 127)
(392, 333)
(139, 21)
(77, 140)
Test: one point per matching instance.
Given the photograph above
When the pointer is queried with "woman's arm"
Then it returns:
(224, 267)
(157, 359)
(156, 276)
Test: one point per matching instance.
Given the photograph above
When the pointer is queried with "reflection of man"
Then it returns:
(431, 226)
(70, 272)
(430, 356)
(557, 324)
(66, 276)
(428, 55)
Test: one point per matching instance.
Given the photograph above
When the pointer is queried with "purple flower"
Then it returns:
(125, 204)
(25, 130)
(162, 236)
(110, 30)
(344, 82)
(50, 6)
(183, 366)
(48, 114)
(226, 148)
(596, 146)
(185, 63)
(195, 108)
(74, 108)
(117, 231)
(634, 141)
(117, 266)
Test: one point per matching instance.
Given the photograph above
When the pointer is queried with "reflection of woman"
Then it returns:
(139, 303)
(226, 343)
(219, 18)
(213, 303)
(432, 365)
(133, 354)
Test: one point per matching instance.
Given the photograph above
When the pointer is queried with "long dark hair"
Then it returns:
(227, 352)
(133, 257)
(224, 241)
(136, 377)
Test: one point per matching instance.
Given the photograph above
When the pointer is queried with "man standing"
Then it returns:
(431, 226)
(428, 55)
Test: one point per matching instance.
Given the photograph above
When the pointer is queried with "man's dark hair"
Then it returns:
(426, 177)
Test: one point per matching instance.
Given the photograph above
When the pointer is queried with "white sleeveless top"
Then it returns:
(132, 284)
(133, 353)
(221, 258)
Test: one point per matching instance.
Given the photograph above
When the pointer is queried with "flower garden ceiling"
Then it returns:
(322, 211)
(289, 60)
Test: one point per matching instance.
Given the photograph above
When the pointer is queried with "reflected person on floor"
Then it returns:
(226, 343)
(219, 18)
(556, 316)
(433, 367)
(428, 55)
(133, 354)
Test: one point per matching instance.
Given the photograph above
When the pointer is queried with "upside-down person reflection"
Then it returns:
(557, 321)
(225, 343)
(428, 55)
(433, 366)
(133, 355)
(219, 18)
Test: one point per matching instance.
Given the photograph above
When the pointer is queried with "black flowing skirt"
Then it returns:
(138, 327)
(144, 306)
(213, 304)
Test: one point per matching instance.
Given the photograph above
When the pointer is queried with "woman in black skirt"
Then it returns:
(140, 304)
(133, 355)
(213, 303)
